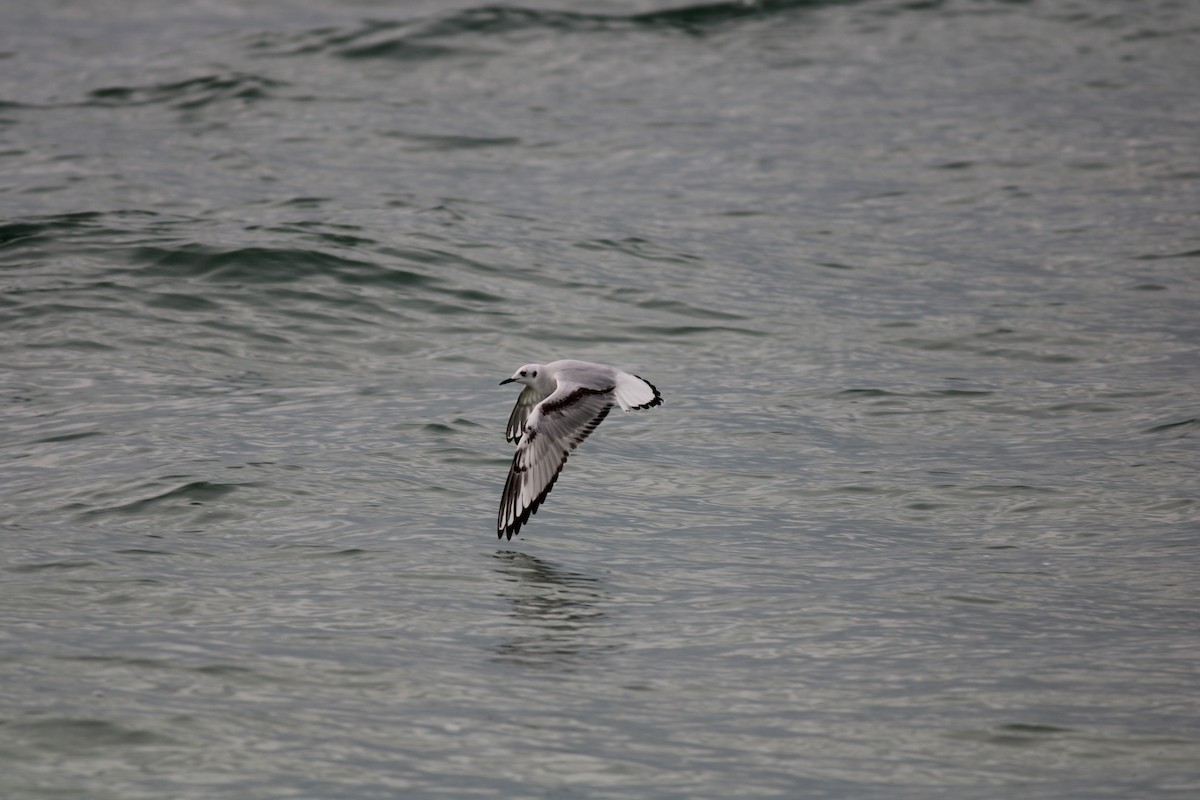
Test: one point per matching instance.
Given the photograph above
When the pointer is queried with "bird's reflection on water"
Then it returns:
(557, 617)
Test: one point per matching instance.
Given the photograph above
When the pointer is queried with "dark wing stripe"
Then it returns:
(572, 398)
(657, 401)
(587, 430)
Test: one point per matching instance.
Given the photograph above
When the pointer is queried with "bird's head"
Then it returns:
(527, 375)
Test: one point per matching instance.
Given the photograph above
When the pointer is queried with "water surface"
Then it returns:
(918, 282)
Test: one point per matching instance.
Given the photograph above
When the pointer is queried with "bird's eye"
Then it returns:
(522, 373)
(535, 373)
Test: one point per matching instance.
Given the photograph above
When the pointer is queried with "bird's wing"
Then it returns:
(555, 427)
(528, 398)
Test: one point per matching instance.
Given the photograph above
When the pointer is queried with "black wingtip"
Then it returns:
(514, 527)
(658, 398)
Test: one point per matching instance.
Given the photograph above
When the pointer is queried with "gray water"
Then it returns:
(918, 281)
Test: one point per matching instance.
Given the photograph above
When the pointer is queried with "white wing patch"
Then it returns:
(634, 393)
(554, 428)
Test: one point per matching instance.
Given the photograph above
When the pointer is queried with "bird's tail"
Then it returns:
(634, 393)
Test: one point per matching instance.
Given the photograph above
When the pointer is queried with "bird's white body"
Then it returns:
(561, 404)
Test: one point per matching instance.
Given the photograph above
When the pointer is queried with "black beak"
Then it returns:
(506, 380)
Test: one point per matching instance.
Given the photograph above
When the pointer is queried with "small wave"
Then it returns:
(246, 283)
(80, 735)
(474, 31)
(418, 142)
(173, 301)
(929, 394)
(267, 265)
(1181, 427)
(39, 230)
(45, 566)
(699, 17)
(669, 331)
(639, 248)
(1016, 734)
(1159, 256)
(69, 437)
(192, 493)
(687, 310)
(189, 94)
(958, 345)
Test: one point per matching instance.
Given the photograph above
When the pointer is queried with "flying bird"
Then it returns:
(561, 404)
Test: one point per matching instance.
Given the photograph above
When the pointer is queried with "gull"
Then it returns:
(561, 404)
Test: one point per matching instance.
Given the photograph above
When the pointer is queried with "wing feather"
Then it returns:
(528, 398)
(555, 427)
